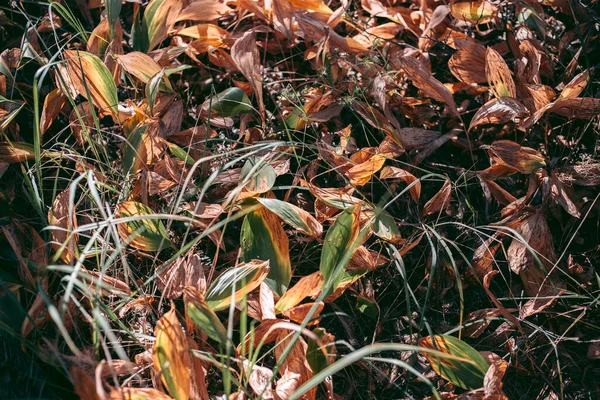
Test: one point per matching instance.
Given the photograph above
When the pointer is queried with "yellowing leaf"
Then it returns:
(467, 373)
(263, 238)
(524, 159)
(498, 75)
(143, 68)
(294, 216)
(88, 74)
(159, 18)
(259, 174)
(362, 173)
(236, 281)
(206, 35)
(475, 12)
(171, 356)
(144, 233)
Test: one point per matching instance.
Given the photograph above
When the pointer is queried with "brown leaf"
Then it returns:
(499, 111)
(260, 381)
(440, 201)
(53, 104)
(524, 159)
(474, 330)
(498, 75)
(81, 122)
(299, 313)
(492, 381)
(206, 36)
(84, 384)
(423, 79)
(469, 61)
(364, 259)
(535, 232)
(294, 368)
(576, 86)
(64, 219)
(244, 53)
(185, 271)
(370, 36)
(554, 188)
(407, 177)
(417, 138)
(501, 195)
(204, 11)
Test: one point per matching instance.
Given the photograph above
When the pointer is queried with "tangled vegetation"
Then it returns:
(299, 199)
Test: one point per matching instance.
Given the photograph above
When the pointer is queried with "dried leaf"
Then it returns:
(440, 201)
(64, 218)
(171, 356)
(498, 75)
(204, 10)
(53, 104)
(469, 62)
(407, 177)
(499, 111)
(525, 159)
(245, 54)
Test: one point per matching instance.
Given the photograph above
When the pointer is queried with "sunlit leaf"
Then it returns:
(236, 282)
(263, 238)
(229, 103)
(340, 242)
(88, 74)
(171, 356)
(204, 317)
(294, 216)
(467, 374)
(144, 233)
(259, 174)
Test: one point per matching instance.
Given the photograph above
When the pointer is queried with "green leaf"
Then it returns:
(236, 282)
(132, 149)
(139, 31)
(205, 318)
(468, 373)
(294, 216)
(260, 175)
(113, 9)
(229, 103)
(148, 234)
(180, 153)
(340, 242)
(385, 226)
(152, 88)
(263, 238)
